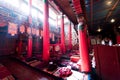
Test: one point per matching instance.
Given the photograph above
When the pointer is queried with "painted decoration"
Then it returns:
(57, 48)
(74, 37)
(37, 32)
(22, 28)
(2, 23)
(28, 30)
(12, 28)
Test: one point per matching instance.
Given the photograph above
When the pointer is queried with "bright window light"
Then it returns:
(52, 22)
(66, 20)
(27, 1)
(14, 3)
(37, 3)
(40, 16)
(52, 14)
(34, 12)
(25, 8)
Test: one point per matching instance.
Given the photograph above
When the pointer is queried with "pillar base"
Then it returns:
(87, 76)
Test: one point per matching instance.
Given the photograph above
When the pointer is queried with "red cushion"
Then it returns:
(74, 58)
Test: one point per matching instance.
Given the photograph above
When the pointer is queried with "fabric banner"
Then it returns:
(12, 28)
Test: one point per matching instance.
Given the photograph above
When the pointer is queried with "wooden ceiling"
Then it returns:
(98, 13)
(64, 6)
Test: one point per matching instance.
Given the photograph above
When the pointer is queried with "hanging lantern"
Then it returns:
(2, 23)
(22, 28)
(28, 30)
(12, 28)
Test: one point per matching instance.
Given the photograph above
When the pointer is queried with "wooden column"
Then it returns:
(83, 46)
(62, 35)
(46, 54)
(29, 48)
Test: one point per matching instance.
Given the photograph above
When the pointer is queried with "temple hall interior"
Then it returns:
(59, 39)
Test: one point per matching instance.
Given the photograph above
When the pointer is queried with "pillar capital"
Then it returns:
(45, 1)
(80, 18)
(81, 22)
(80, 26)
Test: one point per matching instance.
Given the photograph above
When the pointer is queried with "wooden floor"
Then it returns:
(22, 72)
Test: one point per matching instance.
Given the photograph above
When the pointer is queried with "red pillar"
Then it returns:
(83, 48)
(70, 37)
(46, 54)
(62, 35)
(29, 48)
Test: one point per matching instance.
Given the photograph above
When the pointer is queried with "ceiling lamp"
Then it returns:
(119, 27)
(109, 2)
(112, 20)
(99, 30)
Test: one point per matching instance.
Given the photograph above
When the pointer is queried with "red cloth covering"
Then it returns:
(65, 72)
(118, 39)
(4, 72)
(74, 58)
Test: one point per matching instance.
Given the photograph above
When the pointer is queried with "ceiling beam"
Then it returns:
(61, 9)
(91, 12)
(112, 9)
(53, 6)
